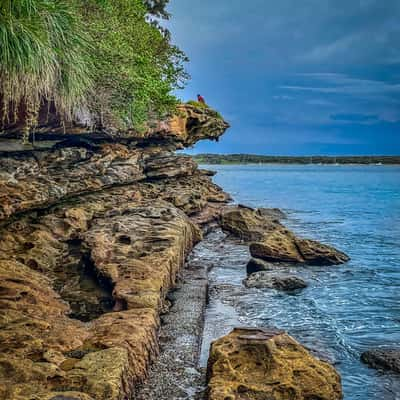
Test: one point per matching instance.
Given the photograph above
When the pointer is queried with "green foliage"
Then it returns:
(198, 104)
(135, 65)
(106, 54)
(43, 53)
(157, 8)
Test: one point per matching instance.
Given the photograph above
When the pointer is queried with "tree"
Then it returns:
(157, 8)
(44, 54)
(103, 54)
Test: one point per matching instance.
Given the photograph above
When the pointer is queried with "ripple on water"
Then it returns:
(346, 309)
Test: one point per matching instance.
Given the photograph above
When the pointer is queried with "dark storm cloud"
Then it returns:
(296, 76)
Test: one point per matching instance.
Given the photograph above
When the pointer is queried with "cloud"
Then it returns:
(327, 67)
(335, 49)
(283, 97)
(342, 84)
(355, 118)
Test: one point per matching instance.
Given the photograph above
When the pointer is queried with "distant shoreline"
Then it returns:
(222, 159)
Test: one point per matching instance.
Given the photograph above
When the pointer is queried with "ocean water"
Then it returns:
(346, 309)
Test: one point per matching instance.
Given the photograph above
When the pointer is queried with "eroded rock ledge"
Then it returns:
(93, 236)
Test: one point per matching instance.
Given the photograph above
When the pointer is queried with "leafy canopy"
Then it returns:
(107, 56)
(43, 53)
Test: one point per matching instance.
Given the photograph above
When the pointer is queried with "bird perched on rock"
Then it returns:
(200, 99)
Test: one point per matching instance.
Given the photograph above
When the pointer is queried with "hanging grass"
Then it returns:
(106, 55)
(44, 55)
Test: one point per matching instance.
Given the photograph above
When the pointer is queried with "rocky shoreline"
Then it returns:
(101, 294)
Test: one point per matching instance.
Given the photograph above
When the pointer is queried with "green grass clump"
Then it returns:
(108, 56)
(44, 54)
(198, 104)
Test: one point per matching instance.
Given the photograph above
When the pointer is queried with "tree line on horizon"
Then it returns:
(110, 58)
(217, 159)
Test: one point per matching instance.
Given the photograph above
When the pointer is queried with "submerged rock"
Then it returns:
(274, 213)
(388, 359)
(257, 265)
(268, 364)
(274, 280)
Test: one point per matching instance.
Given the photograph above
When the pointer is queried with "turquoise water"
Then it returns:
(346, 309)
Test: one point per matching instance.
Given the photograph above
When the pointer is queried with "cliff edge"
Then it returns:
(95, 227)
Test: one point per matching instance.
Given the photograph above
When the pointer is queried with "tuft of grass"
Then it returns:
(44, 55)
(197, 104)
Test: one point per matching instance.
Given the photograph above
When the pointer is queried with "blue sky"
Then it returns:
(295, 77)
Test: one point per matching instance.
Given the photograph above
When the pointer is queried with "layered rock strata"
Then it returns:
(93, 236)
(268, 364)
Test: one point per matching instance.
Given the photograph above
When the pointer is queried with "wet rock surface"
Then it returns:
(176, 373)
(274, 280)
(268, 364)
(385, 359)
(273, 242)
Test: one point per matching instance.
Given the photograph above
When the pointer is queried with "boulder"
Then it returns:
(388, 359)
(274, 280)
(277, 246)
(268, 364)
(283, 246)
(274, 213)
(315, 253)
(256, 265)
(273, 242)
(246, 223)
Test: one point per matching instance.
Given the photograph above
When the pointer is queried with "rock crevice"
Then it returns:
(94, 233)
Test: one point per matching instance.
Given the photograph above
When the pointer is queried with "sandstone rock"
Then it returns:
(136, 250)
(385, 358)
(272, 241)
(41, 177)
(273, 280)
(315, 253)
(189, 125)
(274, 213)
(283, 246)
(277, 246)
(166, 165)
(94, 231)
(267, 364)
(246, 223)
(47, 177)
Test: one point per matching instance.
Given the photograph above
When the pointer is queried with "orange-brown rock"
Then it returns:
(247, 223)
(188, 125)
(56, 272)
(94, 230)
(267, 364)
(273, 242)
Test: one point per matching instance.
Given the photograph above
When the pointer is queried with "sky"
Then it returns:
(295, 77)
